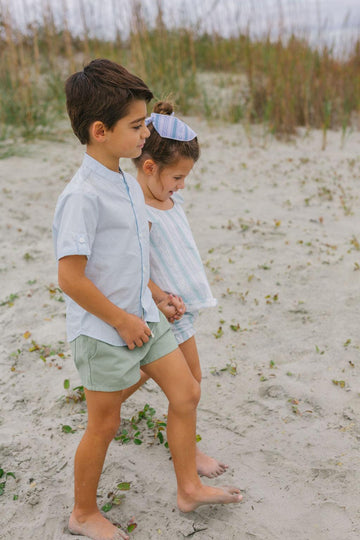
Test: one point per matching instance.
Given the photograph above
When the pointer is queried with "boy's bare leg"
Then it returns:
(103, 422)
(183, 393)
(129, 391)
(206, 465)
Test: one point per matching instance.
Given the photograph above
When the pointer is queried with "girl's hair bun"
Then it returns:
(163, 107)
(162, 150)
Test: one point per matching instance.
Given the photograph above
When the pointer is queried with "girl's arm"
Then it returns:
(73, 281)
(158, 294)
(172, 306)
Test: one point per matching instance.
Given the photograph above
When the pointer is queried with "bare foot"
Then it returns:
(208, 495)
(208, 466)
(96, 527)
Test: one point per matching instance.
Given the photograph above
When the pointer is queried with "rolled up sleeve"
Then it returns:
(75, 223)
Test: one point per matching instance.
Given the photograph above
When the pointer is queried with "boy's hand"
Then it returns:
(73, 281)
(134, 331)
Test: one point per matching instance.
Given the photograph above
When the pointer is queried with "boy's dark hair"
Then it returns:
(165, 151)
(102, 91)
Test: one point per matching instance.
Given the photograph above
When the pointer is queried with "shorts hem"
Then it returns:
(150, 358)
(95, 388)
(184, 336)
(103, 367)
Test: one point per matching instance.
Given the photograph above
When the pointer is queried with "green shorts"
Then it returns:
(110, 368)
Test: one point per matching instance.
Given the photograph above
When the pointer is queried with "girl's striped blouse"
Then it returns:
(175, 262)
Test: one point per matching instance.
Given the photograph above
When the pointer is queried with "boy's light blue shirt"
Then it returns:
(102, 214)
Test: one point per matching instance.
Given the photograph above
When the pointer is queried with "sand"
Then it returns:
(277, 225)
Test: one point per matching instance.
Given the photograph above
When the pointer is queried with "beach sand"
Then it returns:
(278, 228)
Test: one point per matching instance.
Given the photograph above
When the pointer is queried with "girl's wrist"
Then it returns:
(158, 298)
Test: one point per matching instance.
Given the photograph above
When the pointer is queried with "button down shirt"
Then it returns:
(101, 214)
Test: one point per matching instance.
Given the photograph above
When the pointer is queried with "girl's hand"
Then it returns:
(179, 305)
(172, 306)
(167, 308)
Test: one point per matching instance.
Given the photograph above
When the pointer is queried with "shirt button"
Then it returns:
(82, 240)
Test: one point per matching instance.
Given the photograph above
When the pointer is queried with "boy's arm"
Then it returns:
(73, 281)
(172, 306)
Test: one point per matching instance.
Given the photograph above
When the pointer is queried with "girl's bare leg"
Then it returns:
(183, 393)
(103, 423)
(206, 465)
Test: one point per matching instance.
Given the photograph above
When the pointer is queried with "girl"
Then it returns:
(177, 275)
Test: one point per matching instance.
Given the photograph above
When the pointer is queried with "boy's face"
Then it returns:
(127, 137)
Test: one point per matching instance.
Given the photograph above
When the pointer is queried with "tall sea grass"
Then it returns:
(283, 83)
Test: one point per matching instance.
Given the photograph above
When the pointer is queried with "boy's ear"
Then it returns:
(149, 166)
(97, 131)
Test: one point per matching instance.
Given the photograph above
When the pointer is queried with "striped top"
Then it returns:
(170, 127)
(175, 263)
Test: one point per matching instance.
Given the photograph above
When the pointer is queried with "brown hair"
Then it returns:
(166, 151)
(102, 91)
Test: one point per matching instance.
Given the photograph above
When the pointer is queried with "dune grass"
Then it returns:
(283, 83)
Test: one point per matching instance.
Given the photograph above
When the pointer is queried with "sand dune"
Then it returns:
(277, 225)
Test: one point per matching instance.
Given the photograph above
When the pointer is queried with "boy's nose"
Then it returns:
(145, 133)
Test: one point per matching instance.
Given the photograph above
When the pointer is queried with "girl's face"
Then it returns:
(164, 182)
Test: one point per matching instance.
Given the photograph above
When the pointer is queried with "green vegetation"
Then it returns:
(116, 497)
(9, 301)
(76, 395)
(283, 83)
(230, 367)
(135, 430)
(3, 479)
(46, 351)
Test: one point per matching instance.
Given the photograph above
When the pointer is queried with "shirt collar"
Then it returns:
(100, 169)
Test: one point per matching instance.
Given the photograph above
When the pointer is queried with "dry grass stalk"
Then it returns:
(288, 83)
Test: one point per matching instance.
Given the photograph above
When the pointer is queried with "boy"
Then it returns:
(101, 241)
